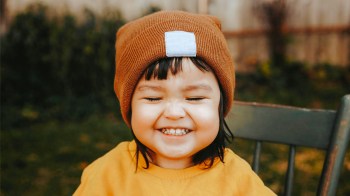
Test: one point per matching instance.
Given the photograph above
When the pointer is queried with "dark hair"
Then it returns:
(159, 70)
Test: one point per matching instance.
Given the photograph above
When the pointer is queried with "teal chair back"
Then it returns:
(327, 130)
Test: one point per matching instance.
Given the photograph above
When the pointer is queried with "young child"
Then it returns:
(175, 81)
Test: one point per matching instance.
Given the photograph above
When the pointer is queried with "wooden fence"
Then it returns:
(318, 29)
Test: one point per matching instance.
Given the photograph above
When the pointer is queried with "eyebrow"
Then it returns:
(198, 87)
(186, 89)
(149, 87)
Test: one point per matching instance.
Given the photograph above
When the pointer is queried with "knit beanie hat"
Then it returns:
(170, 34)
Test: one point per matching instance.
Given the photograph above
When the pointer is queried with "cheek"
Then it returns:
(143, 117)
(138, 116)
(207, 119)
(139, 122)
(207, 128)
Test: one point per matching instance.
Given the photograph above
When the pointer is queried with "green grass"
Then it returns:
(48, 158)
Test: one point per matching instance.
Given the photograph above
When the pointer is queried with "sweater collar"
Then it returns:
(164, 173)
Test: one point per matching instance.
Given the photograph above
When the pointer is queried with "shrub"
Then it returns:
(57, 67)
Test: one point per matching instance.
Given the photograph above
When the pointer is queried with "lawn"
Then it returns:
(48, 158)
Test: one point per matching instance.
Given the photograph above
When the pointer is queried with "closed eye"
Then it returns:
(195, 98)
(152, 99)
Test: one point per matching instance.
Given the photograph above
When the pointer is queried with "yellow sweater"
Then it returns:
(114, 174)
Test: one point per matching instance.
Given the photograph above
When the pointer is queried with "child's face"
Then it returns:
(176, 117)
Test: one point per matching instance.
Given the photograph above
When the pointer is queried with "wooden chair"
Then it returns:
(323, 129)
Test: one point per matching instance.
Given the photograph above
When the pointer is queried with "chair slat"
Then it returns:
(290, 172)
(269, 123)
(256, 158)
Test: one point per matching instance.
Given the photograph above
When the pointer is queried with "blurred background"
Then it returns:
(59, 111)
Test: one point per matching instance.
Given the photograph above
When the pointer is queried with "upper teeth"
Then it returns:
(175, 131)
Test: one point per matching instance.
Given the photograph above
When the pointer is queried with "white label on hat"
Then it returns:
(180, 43)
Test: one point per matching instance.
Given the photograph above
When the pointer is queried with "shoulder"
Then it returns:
(105, 173)
(233, 161)
(122, 149)
(242, 176)
(119, 157)
(234, 166)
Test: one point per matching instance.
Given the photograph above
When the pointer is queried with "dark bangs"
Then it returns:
(160, 69)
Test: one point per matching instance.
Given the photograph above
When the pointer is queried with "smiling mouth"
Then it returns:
(176, 132)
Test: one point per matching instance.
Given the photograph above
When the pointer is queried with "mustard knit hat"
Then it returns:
(170, 34)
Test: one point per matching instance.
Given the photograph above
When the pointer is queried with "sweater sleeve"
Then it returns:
(248, 182)
(97, 178)
(254, 186)
(86, 185)
(83, 182)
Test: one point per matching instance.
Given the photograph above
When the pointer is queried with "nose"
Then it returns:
(174, 111)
